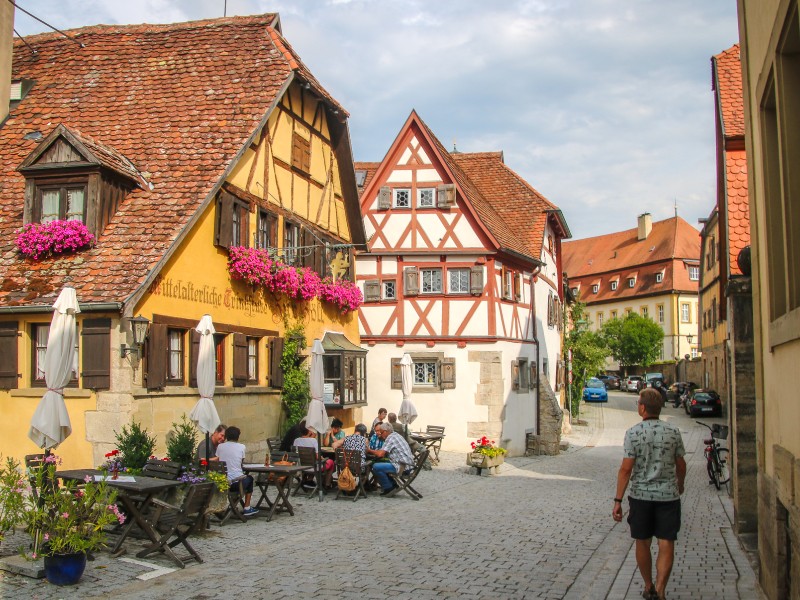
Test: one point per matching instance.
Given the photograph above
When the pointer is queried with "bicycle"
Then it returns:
(716, 455)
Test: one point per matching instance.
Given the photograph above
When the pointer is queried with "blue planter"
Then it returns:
(64, 569)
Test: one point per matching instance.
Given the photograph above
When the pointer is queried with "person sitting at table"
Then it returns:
(397, 451)
(378, 420)
(207, 450)
(334, 433)
(375, 440)
(401, 429)
(309, 440)
(295, 431)
(356, 441)
(232, 452)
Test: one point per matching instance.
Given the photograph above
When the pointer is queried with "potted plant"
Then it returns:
(68, 521)
(485, 454)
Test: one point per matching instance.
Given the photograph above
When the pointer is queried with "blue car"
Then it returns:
(595, 391)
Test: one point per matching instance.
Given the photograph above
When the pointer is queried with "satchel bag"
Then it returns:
(347, 481)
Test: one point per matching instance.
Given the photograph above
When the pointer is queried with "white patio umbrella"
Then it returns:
(204, 412)
(50, 424)
(317, 416)
(407, 412)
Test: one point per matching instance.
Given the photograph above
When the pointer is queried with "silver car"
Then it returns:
(632, 383)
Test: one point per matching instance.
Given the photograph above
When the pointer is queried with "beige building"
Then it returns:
(769, 32)
(652, 269)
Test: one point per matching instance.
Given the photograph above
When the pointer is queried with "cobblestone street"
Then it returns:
(540, 529)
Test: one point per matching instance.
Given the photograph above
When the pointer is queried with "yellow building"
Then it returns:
(651, 270)
(176, 146)
(769, 32)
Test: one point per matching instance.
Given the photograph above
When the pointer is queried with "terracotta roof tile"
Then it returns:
(178, 101)
(728, 83)
(370, 169)
(621, 253)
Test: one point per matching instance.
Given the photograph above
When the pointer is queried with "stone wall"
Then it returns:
(548, 440)
(489, 393)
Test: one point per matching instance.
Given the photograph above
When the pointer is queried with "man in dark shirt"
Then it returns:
(208, 452)
(295, 431)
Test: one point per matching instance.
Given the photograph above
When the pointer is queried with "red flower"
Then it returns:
(114, 452)
(203, 462)
(109, 455)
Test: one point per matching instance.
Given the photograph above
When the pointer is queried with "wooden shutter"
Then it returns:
(446, 195)
(224, 223)
(96, 353)
(239, 360)
(372, 290)
(9, 361)
(156, 357)
(194, 354)
(448, 376)
(385, 198)
(476, 280)
(275, 355)
(411, 281)
(515, 374)
(397, 374)
(518, 286)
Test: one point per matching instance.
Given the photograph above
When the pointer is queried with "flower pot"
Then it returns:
(64, 569)
(481, 461)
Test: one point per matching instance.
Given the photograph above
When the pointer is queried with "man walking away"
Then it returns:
(654, 466)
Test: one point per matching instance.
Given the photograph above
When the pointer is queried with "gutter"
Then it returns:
(48, 308)
(521, 256)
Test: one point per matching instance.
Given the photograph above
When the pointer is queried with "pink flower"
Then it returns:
(46, 537)
(65, 515)
(87, 479)
(38, 240)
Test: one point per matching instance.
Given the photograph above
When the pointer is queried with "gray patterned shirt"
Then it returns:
(655, 445)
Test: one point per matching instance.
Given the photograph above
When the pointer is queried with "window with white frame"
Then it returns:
(685, 313)
(694, 272)
(659, 277)
(595, 288)
(426, 198)
(599, 319)
(613, 285)
(430, 281)
(645, 312)
(660, 310)
(252, 359)
(458, 281)
(694, 352)
(426, 373)
(175, 349)
(389, 290)
(402, 198)
(631, 281)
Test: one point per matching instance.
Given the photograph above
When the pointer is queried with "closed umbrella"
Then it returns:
(407, 412)
(204, 412)
(50, 424)
(317, 417)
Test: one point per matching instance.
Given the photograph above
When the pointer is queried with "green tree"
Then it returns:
(135, 445)
(182, 442)
(633, 340)
(589, 352)
(296, 389)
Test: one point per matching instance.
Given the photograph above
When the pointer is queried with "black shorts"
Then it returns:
(247, 484)
(649, 518)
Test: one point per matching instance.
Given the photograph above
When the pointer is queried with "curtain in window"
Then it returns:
(75, 201)
(50, 206)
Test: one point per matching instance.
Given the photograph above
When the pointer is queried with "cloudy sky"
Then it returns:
(604, 106)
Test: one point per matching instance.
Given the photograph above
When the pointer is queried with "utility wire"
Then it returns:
(46, 24)
(31, 48)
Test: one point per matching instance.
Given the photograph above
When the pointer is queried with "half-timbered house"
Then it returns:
(463, 275)
(173, 145)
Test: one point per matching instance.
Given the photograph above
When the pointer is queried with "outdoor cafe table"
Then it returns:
(429, 440)
(135, 497)
(282, 477)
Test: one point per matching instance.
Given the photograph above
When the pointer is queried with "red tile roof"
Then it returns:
(370, 168)
(738, 216)
(177, 101)
(671, 244)
(728, 83)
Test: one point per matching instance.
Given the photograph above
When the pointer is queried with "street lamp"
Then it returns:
(139, 326)
(689, 338)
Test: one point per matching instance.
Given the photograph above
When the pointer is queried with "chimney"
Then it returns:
(6, 48)
(645, 226)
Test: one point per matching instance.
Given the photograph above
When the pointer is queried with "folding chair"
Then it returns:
(308, 458)
(235, 495)
(360, 470)
(179, 522)
(274, 444)
(162, 469)
(435, 445)
(403, 482)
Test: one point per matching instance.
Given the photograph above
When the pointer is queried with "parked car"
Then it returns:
(632, 383)
(595, 391)
(612, 381)
(703, 402)
(651, 378)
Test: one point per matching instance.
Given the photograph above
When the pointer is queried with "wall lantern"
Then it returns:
(139, 326)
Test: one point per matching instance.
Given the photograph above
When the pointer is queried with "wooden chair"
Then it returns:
(403, 482)
(179, 522)
(308, 458)
(236, 494)
(273, 444)
(161, 469)
(435, 445)
(359, 469)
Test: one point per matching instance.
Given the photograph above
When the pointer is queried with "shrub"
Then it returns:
(183, 442)
(135, 445)
(295, 378)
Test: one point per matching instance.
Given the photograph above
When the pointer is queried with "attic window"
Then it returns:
(19, 89)
(361, 177)
(595, 288)
(614, 285)
(631, 281)
(659, 277)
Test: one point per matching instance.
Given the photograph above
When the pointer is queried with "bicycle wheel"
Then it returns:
(711, 466)
(723, 470)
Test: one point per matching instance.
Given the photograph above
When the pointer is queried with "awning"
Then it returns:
(338, 342)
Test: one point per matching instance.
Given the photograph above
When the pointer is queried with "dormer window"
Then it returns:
(595, 288)
(614, 285)
(62, 170)
(631, 282)
(659, 277)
